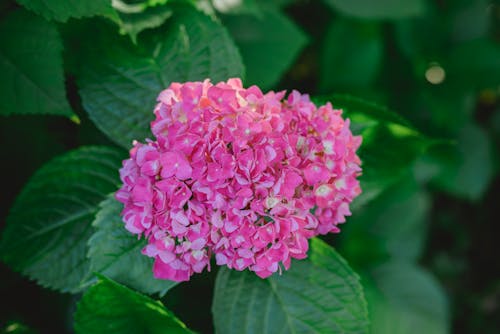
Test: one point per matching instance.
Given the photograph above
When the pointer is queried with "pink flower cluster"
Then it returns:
(247, 176)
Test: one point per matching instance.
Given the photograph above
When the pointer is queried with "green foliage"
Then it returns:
(321, 294)
(387, 232)
(50, 222)
(62, 10)
(116, 253)
(466, 169)
(471, 20)
(31, 66)
(412, 36)
(469, 57)
(266, 41)
(119, 85)
(382, 168)
(391, 227)
(352, 54)
(108, 307)
(475, 64)
(381, 9)
(403, 298)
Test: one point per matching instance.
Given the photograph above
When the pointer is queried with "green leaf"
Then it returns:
(392, 226)
(412, 36)
(31, 66)
(119, 85)
(108, 307)
(386, 153)
(357, 108)
(318, 295)
(403, 298)
(62, 10)
(269, 44)
(466, 168)
(381, 9)
(50, 222)
(275, 3)
(474, 64)
(447, 111)
(116, 253)
(134, 19)
(351, 56)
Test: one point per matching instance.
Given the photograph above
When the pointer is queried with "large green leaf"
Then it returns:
(62, 10)
(380, 9)
(387, 151)
(352, 54)
(50, 222)
(318, 295)
(108, 307)
(466, 168)
(403, 298)
(119, 85)
(116, 253)
(392, 226)
(31, 66)
(269, 44)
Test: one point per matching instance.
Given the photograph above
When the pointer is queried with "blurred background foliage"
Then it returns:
(424, 234)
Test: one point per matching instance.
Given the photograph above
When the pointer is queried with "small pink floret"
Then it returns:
(246, 176)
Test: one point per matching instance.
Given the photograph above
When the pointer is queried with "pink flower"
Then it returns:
(245, 176)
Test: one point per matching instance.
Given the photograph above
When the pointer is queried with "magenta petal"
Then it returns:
(220, 259)
(264, 273)
(183, 169)
(166, 256)
(151, 168)
(168, 161)
(164, 270)
(316, 173)
(291, 182)
(198, 244)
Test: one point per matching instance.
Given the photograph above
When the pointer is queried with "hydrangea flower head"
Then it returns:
(232, 172)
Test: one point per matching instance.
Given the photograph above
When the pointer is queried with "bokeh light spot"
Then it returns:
(435, 74)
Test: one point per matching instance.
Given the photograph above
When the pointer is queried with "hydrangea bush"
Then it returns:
(230, 189)
(246, 176)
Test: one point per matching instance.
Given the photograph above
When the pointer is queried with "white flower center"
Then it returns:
(271, 202)
(323, 190)
(340, 184)
(328, 147)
